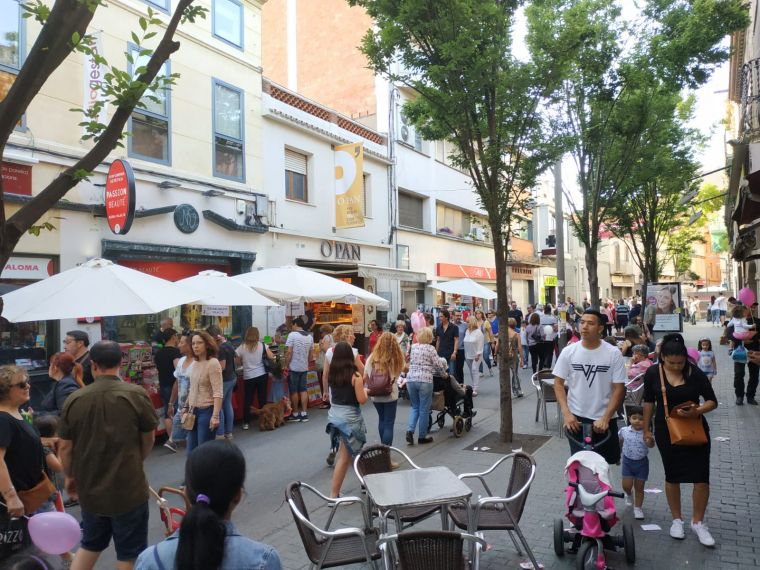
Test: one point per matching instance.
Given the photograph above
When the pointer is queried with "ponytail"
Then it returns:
(214, 475)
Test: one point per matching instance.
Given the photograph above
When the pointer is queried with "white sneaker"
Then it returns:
(700, 529)
(628, 500)
(638, 513)
(676, 529)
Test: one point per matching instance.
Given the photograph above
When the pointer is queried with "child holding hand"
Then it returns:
(635, 460)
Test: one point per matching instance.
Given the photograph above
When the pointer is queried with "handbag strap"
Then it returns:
(664, 395)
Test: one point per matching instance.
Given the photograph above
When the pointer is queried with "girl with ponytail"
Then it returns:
(206, 539)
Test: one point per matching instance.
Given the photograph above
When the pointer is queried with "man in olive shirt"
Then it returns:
(106, 432)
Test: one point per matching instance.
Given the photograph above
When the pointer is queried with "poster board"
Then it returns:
(666, 298)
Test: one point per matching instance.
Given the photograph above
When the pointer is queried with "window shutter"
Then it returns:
(295, 162)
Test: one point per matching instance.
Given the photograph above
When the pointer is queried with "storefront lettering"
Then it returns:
(340, 250)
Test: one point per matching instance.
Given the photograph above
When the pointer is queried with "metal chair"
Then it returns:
(328, 548)
(431, 550)
(376, 458)
(545, 394)
(495, 512)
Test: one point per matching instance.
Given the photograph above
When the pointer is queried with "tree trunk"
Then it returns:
(502, 301)
(592, 266)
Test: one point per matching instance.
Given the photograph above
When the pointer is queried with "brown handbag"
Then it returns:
(683, 431)
(35, 497)
(187, 418)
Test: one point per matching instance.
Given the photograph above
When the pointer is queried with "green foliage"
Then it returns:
(36, 229)
(679, 247)
(194, 13)
(710, 198)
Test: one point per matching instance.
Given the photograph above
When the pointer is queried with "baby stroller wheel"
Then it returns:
(468, 424)
(587, 556)
(458, 426)
(629, 544)
(559, 537)
(441, 420)
(430, 421)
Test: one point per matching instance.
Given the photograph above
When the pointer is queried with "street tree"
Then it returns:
(64, 33)
(607, 103)
(457, 57)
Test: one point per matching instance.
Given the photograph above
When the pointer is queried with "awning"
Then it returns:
(362, 270)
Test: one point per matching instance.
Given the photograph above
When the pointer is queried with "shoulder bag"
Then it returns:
(35, 497)
(265, 359)
(683, 431)
(380, 384)
(187, 413)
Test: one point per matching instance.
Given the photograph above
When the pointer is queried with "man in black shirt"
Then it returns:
(516, 314)
(166, 359)
(77, 344)
(447, 341)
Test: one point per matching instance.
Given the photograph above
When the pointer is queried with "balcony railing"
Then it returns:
(750, 99)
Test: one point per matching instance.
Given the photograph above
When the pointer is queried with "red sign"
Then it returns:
(120, 197)
(172, 270)
(17, 178)
(471, 271)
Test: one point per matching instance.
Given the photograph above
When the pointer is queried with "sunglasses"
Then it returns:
(23, 385)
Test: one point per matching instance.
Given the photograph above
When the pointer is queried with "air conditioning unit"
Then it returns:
(252, 213)
(405, 133)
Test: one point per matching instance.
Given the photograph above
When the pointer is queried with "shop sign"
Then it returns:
(120, 197)
(186, 218)
(17, 178)
(349, 186)
(340, 250)
(471, 271)
(550, 281)
(171, 270)
(215, 311)
(28, 268)
(94, 71)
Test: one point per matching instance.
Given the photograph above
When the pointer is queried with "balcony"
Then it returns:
(750, 101)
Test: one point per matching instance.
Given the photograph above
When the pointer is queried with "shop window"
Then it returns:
(227, 17)
(367, 187)
(228, 132)
(402, 256)
(149, 125)
(410, 211)
(296, 178)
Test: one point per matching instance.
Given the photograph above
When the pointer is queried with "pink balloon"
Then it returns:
(693, 354)
(54, 533)
(418, 321)
(746, 296)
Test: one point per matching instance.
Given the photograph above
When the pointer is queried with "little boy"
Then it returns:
(635, 460)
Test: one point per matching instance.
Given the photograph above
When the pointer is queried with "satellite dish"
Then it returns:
(688, 197)
(695, 216)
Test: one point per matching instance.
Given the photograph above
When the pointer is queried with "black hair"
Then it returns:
(106, 354)
(214, 331)
(299, 322)
(46, 425)
(445, 313)
(168, 334)
(707, 340)
(596, 313)
(215, 470)
(80, 335)
(342, 365)
(633, 411)
(674, 345)
(547, 309)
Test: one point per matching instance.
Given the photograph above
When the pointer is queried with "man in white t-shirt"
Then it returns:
(297, 355)
(595, 375)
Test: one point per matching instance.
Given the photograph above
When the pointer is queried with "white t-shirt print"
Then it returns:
(589, 375)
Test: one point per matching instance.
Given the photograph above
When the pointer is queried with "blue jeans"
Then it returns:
(386, 417)
(226, 415)
(421, 397)
(486, 356)
(715, 314)
(200, 433)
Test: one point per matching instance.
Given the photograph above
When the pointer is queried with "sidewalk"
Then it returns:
(733, 514)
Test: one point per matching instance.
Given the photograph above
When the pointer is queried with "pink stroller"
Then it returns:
(590, 509)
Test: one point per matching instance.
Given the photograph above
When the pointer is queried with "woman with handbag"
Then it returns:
(381, 373)
(200, 416)
(252, 354)
(23, 485)
(675, 387)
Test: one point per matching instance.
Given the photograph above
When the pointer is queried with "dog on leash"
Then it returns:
(272, 415)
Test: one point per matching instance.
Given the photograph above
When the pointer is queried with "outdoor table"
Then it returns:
(426, 486)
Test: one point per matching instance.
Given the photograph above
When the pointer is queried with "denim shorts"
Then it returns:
(297, 382)
(166, 396)
(129, 532)
(636, 468)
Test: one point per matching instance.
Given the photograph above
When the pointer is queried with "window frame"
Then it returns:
(214, 83)
(21, 126)
(162, 5)
(241, 24)
(168, 118)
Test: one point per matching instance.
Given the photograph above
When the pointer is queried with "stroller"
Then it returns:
(171, 516)
(454, 401)
(591, 509)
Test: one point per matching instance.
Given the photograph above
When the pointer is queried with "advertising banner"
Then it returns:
(93, 78)
(349, 186)
(664, 300)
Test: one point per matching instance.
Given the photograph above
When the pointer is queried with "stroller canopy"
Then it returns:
(593, 461)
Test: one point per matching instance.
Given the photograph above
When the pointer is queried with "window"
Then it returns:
(296, 182)
(461, 224)
(162, 5)
(149, 125)
(402, 256)
(367, 186)
(228, 132)
(410, 211)
(10, 34)
(228, 21)
(440, 151)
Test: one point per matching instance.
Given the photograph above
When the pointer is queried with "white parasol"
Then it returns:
(465, 287)
(217, 288)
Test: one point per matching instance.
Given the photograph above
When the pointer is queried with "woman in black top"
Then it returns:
(684, 383)
(347, 393)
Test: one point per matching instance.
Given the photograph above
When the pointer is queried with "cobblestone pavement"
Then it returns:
(296, 452)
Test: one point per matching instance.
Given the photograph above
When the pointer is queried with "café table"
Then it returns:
(426, 486)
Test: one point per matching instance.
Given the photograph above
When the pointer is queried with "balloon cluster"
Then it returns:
(418, 321)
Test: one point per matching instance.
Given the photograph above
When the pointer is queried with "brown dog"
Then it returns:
(275, 410)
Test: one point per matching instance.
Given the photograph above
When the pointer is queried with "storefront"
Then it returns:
(486, 276)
